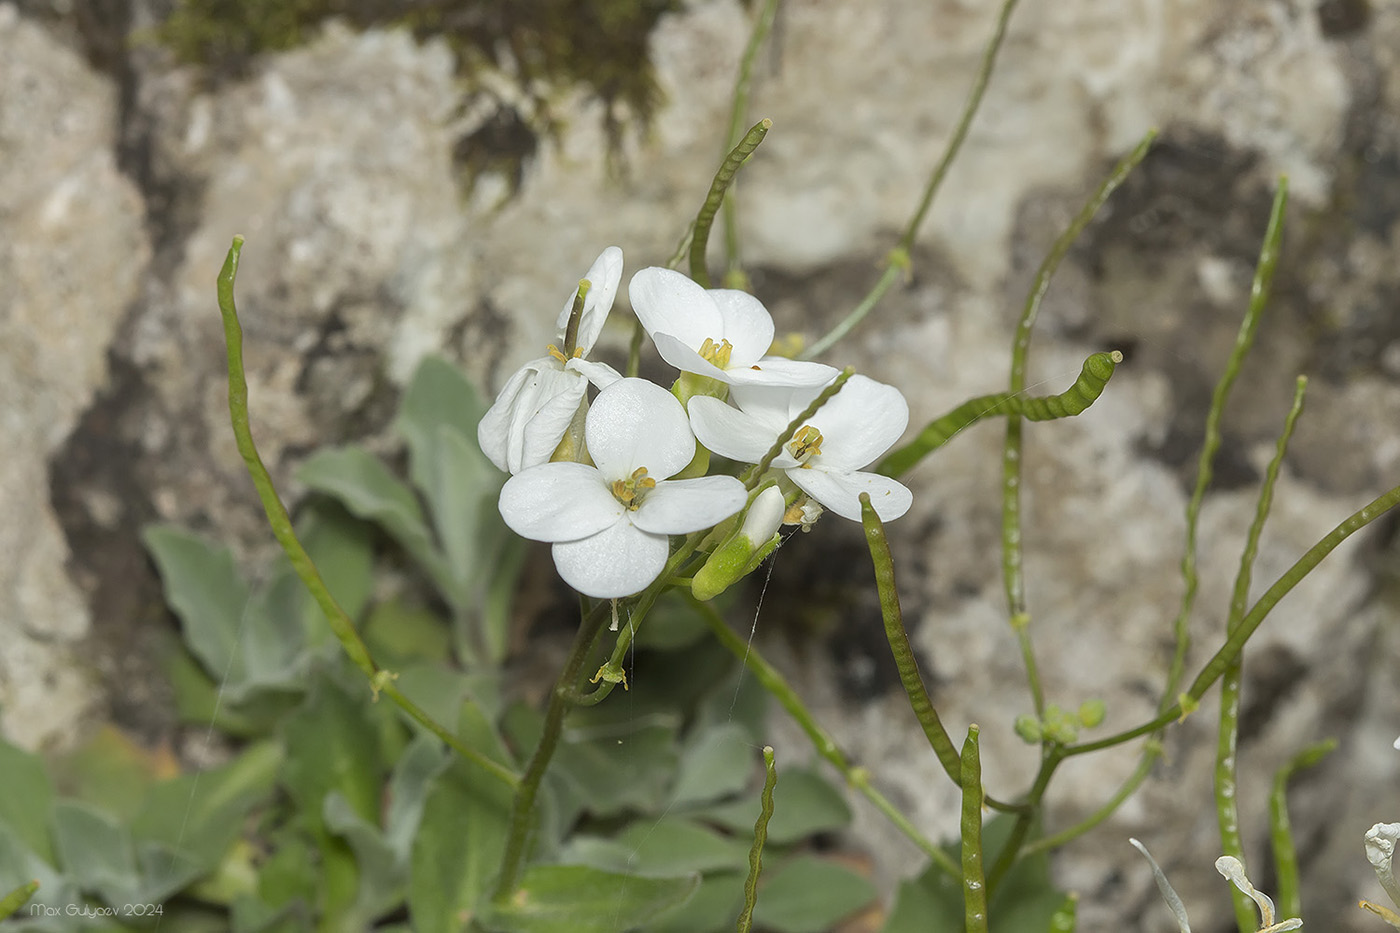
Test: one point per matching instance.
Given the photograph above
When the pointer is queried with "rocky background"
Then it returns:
(438, 189)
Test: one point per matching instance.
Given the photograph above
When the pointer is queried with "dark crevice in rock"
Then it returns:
(101, 496)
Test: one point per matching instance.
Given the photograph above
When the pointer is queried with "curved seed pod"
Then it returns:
(1097, 370)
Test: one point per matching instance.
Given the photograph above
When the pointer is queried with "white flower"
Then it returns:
(719, 332)
(825, 456)
(610, 524)
(534, 408)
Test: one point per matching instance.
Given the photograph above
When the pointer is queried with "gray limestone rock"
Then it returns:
(341, 161)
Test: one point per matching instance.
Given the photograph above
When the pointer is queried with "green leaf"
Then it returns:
(614, 769)
(96, 852)
(331, 746)
(383, 878)
(20, 865)
(206, 592)
(714, 906)
(716, 763)
(397, 633)
(666, 847)
(809, 804)
(421, 762)
(363, 484)
(342, 548)
(458, 848)
(27, 801)
(809, 894)
(203, 813)
(438, 420)
(579, 899)
(438, 395)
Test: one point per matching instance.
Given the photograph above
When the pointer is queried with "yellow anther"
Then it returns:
(717, 353)
(557, 353)
(805, 444)
(630, 491)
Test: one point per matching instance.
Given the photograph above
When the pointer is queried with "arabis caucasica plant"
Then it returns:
(608, 482)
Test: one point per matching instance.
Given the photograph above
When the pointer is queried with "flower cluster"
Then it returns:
(607, 482)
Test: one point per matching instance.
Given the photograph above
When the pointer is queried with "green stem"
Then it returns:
(1215, 667)
(826, 746)
(898, 259)
(904, 659)
(1290, 901)
(763, 24)
(723, 178)
(1093, 377)
(341, 624)
(1012, 559)
(522, 810)
(16, 899)
(760, 836)
(1051, 756)
(1244, 339)
(1144, 768)
(754, 475)
(1227, 742)
(973, 885)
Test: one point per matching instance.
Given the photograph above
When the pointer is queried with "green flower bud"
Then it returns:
(738, 556)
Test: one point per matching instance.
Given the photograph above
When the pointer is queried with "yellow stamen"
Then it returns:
(632, 490)
(557, 353)
(717, 353)
(805, 444)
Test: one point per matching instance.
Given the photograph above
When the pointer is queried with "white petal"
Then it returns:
(840, 492)
(775, 403)
(540, 432)
(635, 423)
(681, 506)
(732, 433)
(603, 278)
(746, 325)
(779, 372)
(618, 561)
(860, 423)
(674, 351)
(600, 374)
(493, 431)
(667, 302)
(558, 502)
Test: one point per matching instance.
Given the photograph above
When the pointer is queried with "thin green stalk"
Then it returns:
(1050, 758)
(1093, 378)
(1126, 790)
(898, 259)
(754, 475)
(341, 625)
(760, 836)
(1227, 741)
(904, 659)
(1290, 899)
(826, 746)
(634, 349)
(522, 811)
(733, 271)
(16, 899)
(973, 885)
(613, 672)
(1215, 667)
(1244, 339)
(1012, 559)
(723, 178)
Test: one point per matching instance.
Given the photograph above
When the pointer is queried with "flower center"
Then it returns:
(717, 353)
(805, 444)
(632, 490)
(558, 354)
